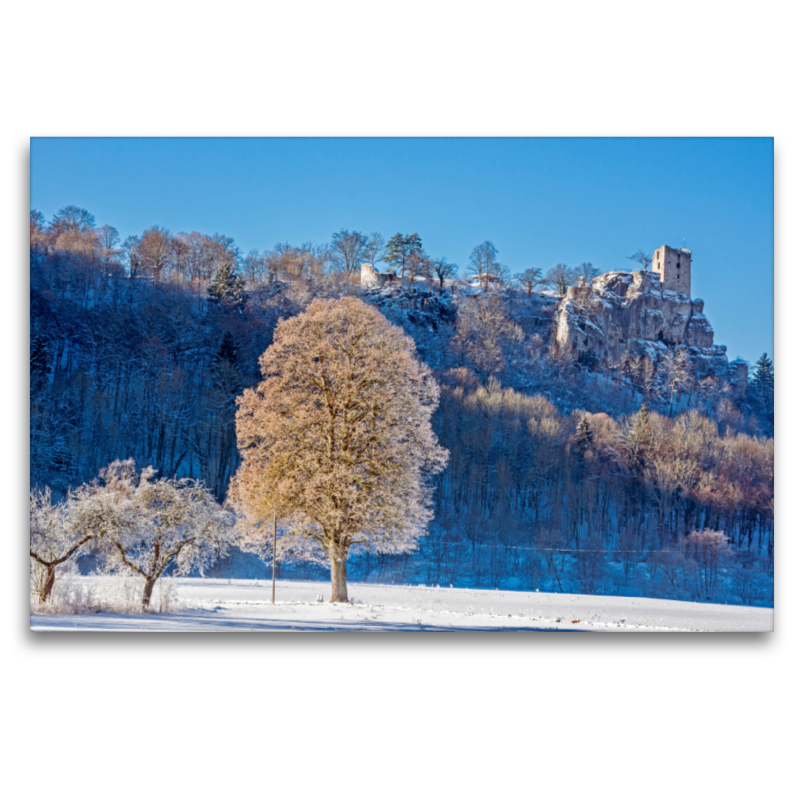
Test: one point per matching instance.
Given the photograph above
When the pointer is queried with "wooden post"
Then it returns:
(274, 539)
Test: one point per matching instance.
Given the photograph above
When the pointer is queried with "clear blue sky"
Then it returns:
(540, 201)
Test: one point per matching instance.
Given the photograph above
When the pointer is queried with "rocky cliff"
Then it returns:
(631, 311)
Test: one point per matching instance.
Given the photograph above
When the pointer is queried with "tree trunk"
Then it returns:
(148, 591)
(50, 579)
(338, 580)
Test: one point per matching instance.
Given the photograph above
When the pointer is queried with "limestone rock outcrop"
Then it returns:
(632, 311)
(419, 306)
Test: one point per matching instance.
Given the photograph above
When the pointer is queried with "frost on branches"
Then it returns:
(169, 523)
(55, 539)
(337, 440)
(134, 522)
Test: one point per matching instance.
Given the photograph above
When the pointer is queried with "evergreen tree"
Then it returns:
(584, 436)
(402, 250)
(227, 353)
(583, 441)
(763, 387)
(227, 286)
(764, 380)
(640, 438)
(40, 358)
(587, 359)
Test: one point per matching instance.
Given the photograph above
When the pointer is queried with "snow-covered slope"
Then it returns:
(217, 605)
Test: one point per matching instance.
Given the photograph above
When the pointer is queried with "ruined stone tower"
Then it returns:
(675, 268)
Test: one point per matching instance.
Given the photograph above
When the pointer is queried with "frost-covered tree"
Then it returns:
(710, 553)
(639, 439)
(483, 263)
(485, 336)
(443, 270)
(132, 255)
(641, 258)
(336, 440)
(89, 516)
(55, 539)
(560, 277)
(677, 372)
(348, 249)
(167, 523)
(227, 287)
(587, 271)
(72, 219)
(375, 248)
(155, 252)
(529, 279)
(39, 232)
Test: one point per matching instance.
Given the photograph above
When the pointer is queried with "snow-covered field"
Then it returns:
(245, 605)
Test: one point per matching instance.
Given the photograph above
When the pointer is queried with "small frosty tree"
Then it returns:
(336, 440)
(640, 257)
(167, 523)
(54, 541)
(84, 520)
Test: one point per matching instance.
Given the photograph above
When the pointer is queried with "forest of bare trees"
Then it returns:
(560, 475)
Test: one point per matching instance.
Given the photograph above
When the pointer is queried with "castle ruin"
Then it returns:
(371, 278)
(645, 313)
(674, 267)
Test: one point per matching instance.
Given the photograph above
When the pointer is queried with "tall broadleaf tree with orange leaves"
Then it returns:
(336, 440)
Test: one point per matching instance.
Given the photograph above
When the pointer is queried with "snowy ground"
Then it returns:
(243, 605)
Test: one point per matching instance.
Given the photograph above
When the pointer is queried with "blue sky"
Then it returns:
(540, 201)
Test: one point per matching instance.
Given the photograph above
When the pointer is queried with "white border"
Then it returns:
(354, 716)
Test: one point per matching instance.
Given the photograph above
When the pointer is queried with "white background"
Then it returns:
(395, 716)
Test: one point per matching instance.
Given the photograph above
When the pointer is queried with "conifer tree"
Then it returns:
(765, 380)
(584, 437)
(40, 358)
(227, 286)
(227, 353)
(764, 390)
(401, 251)
(640, 437)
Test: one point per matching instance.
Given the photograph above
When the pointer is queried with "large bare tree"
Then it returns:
(336, 440)
(529, 279)
(560, 277)
(347, 251)
(155, 252)
(483, 263)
